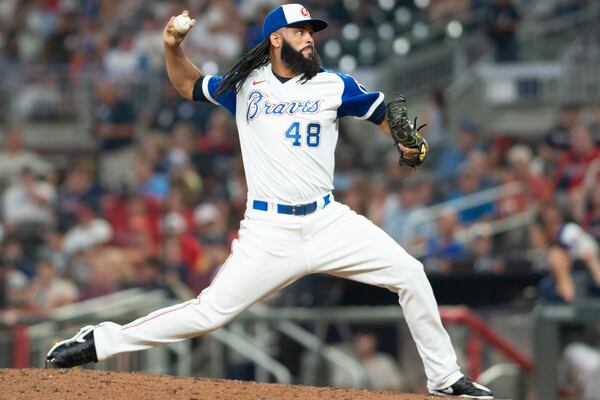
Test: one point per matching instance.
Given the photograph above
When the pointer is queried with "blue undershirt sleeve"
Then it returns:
(358, 102)
(379, 114)
(205, 89)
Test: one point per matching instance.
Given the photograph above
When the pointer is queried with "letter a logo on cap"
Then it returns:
(287, 15)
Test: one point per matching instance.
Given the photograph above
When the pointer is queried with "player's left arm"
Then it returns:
(358, 102)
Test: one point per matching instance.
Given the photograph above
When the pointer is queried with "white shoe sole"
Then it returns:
(467, 396)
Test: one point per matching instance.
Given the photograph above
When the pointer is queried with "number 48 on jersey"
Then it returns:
(313, 134)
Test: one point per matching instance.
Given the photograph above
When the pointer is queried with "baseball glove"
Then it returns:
(405, 133)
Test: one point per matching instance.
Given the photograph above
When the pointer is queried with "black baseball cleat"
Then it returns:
(78, 350)
(466, 388)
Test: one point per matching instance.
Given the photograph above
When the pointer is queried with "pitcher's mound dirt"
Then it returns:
(80, 384)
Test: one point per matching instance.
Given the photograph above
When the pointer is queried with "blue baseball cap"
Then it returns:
(289, 14)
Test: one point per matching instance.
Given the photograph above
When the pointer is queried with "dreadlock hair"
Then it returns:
(257, 57)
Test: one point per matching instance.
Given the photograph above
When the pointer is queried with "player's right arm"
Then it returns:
(182, 73)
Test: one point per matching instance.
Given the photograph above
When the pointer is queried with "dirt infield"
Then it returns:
(80, 384)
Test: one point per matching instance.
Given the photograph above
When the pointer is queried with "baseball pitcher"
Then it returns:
(287, 108)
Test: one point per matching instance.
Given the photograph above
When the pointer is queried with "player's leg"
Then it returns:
(348, 245)
(266, 257)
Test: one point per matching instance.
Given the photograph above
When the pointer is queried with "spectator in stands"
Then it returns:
(90, 47)
(114, 128)
(53, 251)
(173, 109)
(48, 291)
(444, 248)
(538, 245)
(469, 183)
(59, 45)
(14, 256)
(595, 126)
(443, 11)
(151, 275)
(186, 180)
(564, 7)
(480, 162)
(453, 156)
(557, 139)
(503, 21)
(170, 255)
(356, 195)
(378, 195)
(148, 41)
(3, 288)
(123, 62)
(99, 273)
(13, 286)
(436, 118)
(254, 12)
(178, 202)
(14, 157)
(571, 169)
(151, 148)
(148, 182)
(398, 207)
(583, 361)
(591, 220)
(184, 144)
(174, 229)
(135, 223)
(572, 258)
(178, 162)
(482, 255)
(220, 36)
(382, 369)
(89, 232)
(237, 187)
(217, 145)
(535, 188)
(418, 224)
(28, 209)
(78, 190)
(212, 231)
(211, 224)
(558, 136)
(41, 99)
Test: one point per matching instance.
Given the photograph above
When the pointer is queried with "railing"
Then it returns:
(546, 39)
(31, 335)
(382, 314)
(312, 342)
(540, 41)
(246, 348)
(56, 107)
(435, 67)
(430, 214)
(29, 341)
(480, 330)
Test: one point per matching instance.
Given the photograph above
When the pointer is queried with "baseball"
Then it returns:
(181, 23)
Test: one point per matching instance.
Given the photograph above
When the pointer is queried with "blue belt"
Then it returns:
(300, 209)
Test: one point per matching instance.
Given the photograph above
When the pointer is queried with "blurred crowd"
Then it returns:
(159, 201)
(124, 38)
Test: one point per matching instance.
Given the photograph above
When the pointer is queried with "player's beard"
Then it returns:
(298, 62)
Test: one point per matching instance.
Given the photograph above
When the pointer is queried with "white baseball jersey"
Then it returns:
(288, 131)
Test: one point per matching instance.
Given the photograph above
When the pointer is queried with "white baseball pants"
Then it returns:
(272, 251)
